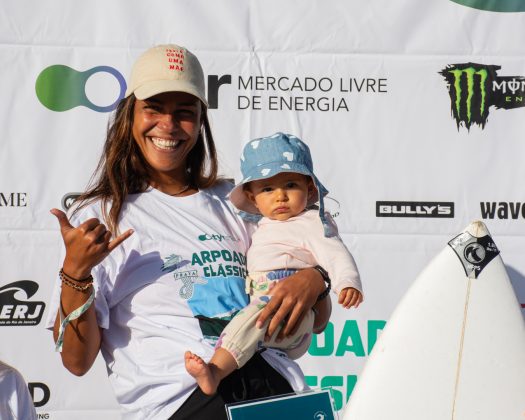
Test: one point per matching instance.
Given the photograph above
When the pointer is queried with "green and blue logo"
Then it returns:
(61, 88)
(509, 6)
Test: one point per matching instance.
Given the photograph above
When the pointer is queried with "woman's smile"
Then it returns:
(165, 144)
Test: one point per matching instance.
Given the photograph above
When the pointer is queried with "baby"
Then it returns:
(279, 185)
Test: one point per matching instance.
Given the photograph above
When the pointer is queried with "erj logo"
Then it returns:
(15, 310)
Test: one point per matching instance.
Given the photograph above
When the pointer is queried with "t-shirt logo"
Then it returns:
(216, 237)
(211, 281)
(174, 262)
(188, 278)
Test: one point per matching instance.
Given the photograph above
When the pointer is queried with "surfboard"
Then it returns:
(454, 347)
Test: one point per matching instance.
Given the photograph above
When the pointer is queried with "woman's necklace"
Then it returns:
(184, 189)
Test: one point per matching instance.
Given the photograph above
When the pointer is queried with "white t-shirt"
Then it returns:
(15, 400)
(187, 257)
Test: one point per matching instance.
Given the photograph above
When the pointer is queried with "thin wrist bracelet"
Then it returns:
(80, 287)
(84, 280)
(326, 279)
(76, 286)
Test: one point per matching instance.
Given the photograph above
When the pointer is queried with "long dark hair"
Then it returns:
(122, 169)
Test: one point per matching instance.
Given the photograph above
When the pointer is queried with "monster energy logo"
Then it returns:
(468, 93)
(470, 72)
(474, 88)
(514, 86)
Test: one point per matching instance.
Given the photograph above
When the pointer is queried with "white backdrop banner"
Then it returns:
(414, 112)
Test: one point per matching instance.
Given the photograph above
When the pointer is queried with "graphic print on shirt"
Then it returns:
(212, 282)
(188, 278)
(174, 262)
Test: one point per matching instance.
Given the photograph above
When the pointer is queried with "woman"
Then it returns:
(172, 277)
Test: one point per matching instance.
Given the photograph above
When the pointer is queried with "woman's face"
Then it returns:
(166, 127)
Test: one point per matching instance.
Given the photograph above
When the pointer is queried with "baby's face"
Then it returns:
(282, 196)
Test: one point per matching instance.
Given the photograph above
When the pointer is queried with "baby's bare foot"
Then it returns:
(202, 373)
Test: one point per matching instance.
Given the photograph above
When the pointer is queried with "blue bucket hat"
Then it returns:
(265, 157)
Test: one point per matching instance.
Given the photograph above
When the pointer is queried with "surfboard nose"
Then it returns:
(477, 229)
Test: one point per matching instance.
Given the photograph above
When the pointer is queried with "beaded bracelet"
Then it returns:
(63, 274)
(76, 286)
(68, 282)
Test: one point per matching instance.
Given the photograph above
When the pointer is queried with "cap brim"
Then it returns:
(150, 89)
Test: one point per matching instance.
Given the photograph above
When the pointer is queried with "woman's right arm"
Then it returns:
(81, 336)
(86, 246)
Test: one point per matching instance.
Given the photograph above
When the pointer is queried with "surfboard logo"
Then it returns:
(474, 253)
(474, 88)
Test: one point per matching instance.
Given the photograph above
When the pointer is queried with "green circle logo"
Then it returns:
(61, 88)
(494, 5)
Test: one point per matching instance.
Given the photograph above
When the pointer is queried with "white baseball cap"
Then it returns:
(167, 68)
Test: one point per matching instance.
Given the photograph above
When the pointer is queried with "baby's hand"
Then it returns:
(350, 297)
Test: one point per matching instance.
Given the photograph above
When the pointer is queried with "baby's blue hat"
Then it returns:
(268, 156)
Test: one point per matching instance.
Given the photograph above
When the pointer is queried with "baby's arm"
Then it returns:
(332, 254)
(350, 297)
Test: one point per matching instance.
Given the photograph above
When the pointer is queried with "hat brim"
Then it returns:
(240, 200)
(153, 88)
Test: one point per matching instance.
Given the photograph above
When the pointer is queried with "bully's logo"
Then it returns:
(474, 88)
(15, 309)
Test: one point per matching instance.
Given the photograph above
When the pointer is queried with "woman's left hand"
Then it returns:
(291, 300)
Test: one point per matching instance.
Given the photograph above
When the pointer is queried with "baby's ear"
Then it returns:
(312, 191)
